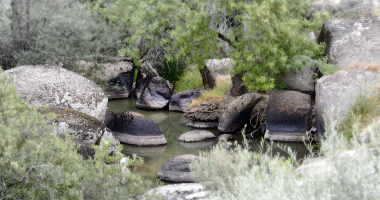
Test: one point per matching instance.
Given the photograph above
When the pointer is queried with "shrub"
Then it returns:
(338, 173)
(190, 79)
(36, 164)
(171, 70)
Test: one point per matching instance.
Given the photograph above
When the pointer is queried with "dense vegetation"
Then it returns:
(36, 164)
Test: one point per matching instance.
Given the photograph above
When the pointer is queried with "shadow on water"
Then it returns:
(173, 124)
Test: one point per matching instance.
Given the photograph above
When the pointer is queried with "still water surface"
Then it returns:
(173, 124)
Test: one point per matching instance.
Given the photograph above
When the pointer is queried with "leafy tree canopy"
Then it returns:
(264, 37)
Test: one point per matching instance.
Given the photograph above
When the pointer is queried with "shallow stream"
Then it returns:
(173, 124)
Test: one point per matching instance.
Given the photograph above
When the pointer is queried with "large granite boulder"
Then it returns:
(142, 80)
(156, 94)
(349, 40)
(181, 100)
(59, 87)
(238, 113)
(288, 115)
(120, 78)
(136, 129)
(238, 86)
(85, 130)
(196, 136)
(339, 91)
(302, 80)
(182, 191)
(347, 8)
(177, 169)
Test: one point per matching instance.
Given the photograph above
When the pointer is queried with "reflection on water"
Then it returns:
(173, 124)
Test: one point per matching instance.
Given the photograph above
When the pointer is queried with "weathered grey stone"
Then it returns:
(181, 191)
(339, 91)
(208, 110)
(59, 88)
(220, 66)
(238, 113)
(302, 81)
(238, 86)
(203, 124)
(196, 136)
(120, 77)
(288, 115)
(177, 169)
(181, 100)
(86, 130)
(349, 7)
(156, 95)
(109, 136)
(142, 80)
(226, 137)
(135, 129)
(349, 40)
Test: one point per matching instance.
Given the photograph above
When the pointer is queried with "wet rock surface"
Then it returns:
(288, 115)
(350, 40)
(196, 136)
(238, 113)
(339, 91)
(59, 87)
(180, 101)
(135, 129)
(156, 94)
(177, 169)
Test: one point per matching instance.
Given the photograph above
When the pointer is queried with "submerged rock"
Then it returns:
(59, 87)
(135, 129)
(156, 94)
(177, 169)
(196, 136)
(288, 116)
(181, 100)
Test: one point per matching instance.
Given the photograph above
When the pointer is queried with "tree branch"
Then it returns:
(222, 37)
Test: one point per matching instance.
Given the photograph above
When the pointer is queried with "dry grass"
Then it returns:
(373, 67)
(222, 85)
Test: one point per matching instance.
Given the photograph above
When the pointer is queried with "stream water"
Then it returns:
(173, 124)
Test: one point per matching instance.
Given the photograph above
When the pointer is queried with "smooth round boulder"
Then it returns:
(59, 87)
(181, 100)
(177, 169)
(156, 95)
(196, 136)
(238, 113)
(136, 129)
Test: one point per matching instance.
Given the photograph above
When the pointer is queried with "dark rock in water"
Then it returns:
(203, 124)
(142, 80)
(238, 113)
(85, 129)
(156, 95)
(109, 118)
(188, 191)
(350, 40)
(120, 77)
(203, 145)
(59, 87)
(208, 78)
(226, 137)
(181, 100)
(288, 115)
(177, 169)
(135, 129)
(339, 91)
(196, 136)
(238, 86)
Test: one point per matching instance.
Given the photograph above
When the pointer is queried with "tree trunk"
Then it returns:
(207, 78)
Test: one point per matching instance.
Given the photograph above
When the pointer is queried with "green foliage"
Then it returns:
(36, 164)
(219, 91)
(264, 36)
(190, 79)
(335, 172)
(171, 70)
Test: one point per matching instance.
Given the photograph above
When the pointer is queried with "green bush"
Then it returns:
(341, 169)
(37, 164)
(190, 79)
